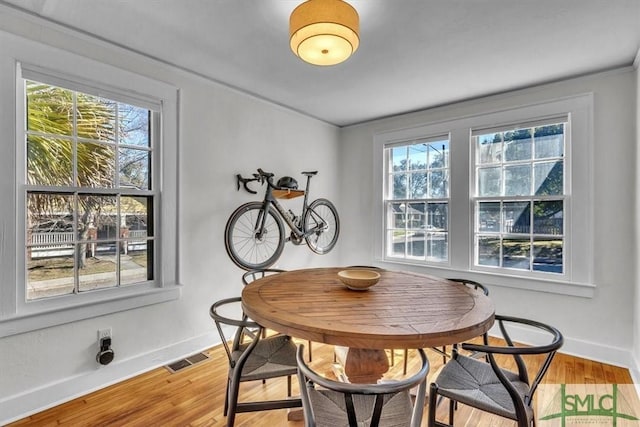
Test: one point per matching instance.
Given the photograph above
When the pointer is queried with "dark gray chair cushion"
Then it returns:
(471, 381)
(330, 409)
(274, 356)
(330, 403)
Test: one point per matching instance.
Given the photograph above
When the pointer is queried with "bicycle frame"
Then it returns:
(269, 199)
(255, 233)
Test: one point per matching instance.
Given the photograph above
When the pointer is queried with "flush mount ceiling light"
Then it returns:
(324, 32)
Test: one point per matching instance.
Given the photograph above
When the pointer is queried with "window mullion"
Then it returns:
(76, 245)
(74, 183)
(119, 239)
(116, 171)
(531, 233)
(74, 134)
(116, 180)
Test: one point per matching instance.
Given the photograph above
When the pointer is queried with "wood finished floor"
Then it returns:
(194, 396)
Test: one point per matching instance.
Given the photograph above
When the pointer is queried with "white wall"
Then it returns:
(222, 133)
(599, 327)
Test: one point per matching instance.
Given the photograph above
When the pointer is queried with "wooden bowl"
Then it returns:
(359, 280)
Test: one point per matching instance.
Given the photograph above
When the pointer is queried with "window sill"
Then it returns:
(31, 321)
(534, 284)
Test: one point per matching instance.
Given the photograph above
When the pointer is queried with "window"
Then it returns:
(90, 172)
(503, 197)
(417, 200)
(90, 197)
(520, 197)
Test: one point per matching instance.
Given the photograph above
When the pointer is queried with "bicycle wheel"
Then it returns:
(245, 248)
(322, 217)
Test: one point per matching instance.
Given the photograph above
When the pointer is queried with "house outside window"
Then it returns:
(518, 201)
(520, 197)
(417, 200)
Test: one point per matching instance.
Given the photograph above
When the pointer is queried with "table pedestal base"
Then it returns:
(361, 365)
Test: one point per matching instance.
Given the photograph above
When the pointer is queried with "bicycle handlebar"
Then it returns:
(261, 177)
(244, 182)
(264, 174)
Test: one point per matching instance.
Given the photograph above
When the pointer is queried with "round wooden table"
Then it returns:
(403, 310)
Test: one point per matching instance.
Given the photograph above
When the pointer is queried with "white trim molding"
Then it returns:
(21, 55)
(597, 352)
(577, 278)
(33, 401)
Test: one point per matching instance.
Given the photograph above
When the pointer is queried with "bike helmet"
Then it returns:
(288, 182)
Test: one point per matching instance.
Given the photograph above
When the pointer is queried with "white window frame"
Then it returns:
(577, 279)
(475, 198)
(426, 200)
(78, 73)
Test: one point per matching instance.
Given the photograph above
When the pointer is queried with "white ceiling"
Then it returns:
(414, 54)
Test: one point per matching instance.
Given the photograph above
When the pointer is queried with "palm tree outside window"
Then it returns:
(89, 193)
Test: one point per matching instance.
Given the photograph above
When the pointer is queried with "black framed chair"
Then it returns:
(476, 286)
(443, 351)
(252, 275)
(256, 359)
(333, 403)
(487, 386)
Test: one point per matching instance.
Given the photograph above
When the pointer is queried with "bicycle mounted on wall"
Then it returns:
(255, 235)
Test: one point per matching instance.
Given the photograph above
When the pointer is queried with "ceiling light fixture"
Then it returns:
(324, 32)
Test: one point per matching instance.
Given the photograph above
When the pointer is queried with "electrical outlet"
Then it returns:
(104, 333)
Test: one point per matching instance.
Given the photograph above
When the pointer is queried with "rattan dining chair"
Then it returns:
(487, 386)
(252, 275)
(257, 359)
(477, 287)
(443, 351)
(333, 403)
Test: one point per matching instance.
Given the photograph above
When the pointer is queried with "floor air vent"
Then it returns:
(186, 362)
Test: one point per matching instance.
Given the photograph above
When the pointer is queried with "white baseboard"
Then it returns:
(586, 349)
(33, 401)
(597, 352)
